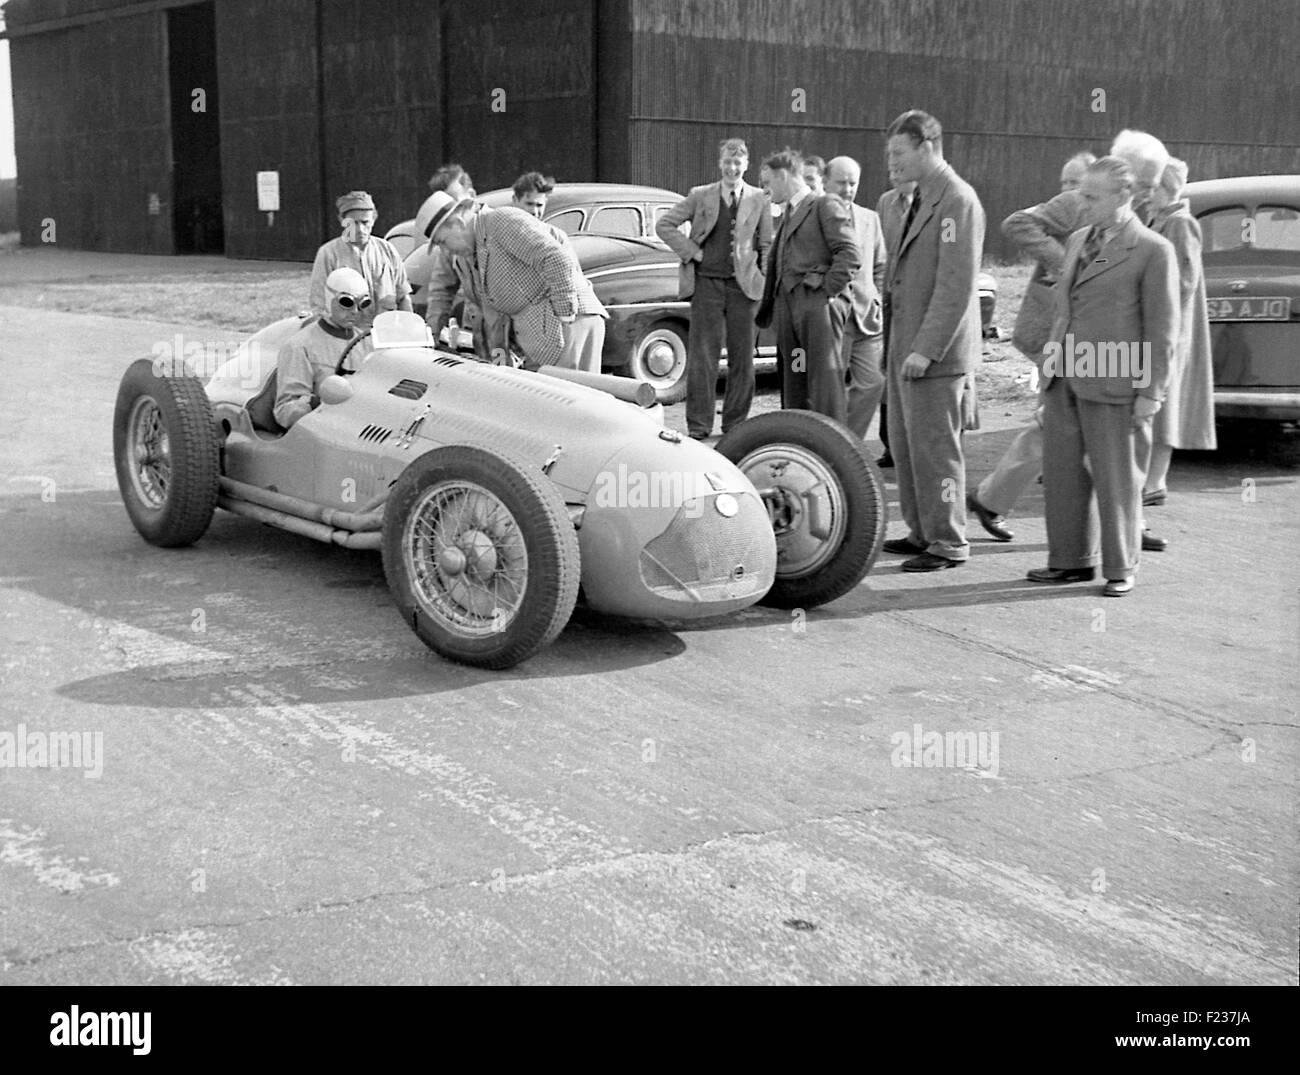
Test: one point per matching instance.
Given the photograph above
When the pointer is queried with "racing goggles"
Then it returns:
(361, 302)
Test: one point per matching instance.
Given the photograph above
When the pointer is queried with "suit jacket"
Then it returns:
(864, 288)
(1041, 232)
(701, 207)
(521, 270)
(932, 279)
(815, 247)
(1128, 295)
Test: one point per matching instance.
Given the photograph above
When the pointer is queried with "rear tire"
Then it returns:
(826, 499)
(167, 455)
(480, 556)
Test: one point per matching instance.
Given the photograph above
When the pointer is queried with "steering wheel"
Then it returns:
(339, 370)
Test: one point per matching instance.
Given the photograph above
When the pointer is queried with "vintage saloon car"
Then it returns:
(495, 493)
(1250, 228)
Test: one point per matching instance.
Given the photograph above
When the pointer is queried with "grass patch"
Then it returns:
(238, 301)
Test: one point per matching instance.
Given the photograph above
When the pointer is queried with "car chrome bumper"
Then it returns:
(1271, 404)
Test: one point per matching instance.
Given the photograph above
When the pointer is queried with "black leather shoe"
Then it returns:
(1117, 588)
(902, 547)
(1058, 575)
(990, 520)
(1151, 543)
(927, 561)
(699, 436)
(886, 461)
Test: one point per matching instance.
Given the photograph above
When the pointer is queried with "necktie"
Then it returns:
(733, 201)
(911, 211)
(1090, 249)
(778, 242)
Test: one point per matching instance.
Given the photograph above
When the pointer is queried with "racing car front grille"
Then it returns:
(703, 555)
(375, 434)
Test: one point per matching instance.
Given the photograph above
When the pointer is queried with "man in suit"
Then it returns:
(814, 256)
(935, 342)
(863, 342)
(892, 208)
(1106, 369)
(1041, 232)
(520, 269)
(721, 273)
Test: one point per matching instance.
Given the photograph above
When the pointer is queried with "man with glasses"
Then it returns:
(311, 354)
(374, 258)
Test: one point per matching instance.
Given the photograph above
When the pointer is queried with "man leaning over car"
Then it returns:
(522, 270)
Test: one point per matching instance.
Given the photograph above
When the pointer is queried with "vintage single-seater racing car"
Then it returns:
(496, 494)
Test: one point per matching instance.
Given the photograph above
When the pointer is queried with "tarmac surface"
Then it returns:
(292, 789)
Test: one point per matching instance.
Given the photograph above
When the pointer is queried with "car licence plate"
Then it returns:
(1240, 308)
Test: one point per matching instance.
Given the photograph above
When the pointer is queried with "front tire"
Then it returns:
(659, 358)
(824, 495)
(480, 556)
(167, 455)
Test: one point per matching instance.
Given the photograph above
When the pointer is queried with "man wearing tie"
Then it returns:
(815, 254)
(934, 343)
(1106, 369)
(722, 274)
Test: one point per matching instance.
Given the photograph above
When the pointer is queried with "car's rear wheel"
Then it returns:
(480, 556)
(167, 455)
(825, 498)
(659, 358)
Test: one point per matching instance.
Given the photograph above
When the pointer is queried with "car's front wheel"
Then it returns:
(480, 555)
(825, 498)
(167, 455)
(659, 358)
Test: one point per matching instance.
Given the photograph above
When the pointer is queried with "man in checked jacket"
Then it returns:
(520, 269)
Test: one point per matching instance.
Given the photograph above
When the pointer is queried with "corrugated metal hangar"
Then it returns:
(144, 125)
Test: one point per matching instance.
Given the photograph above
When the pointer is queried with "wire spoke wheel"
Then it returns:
(480, 555)
(167, 455)
(467, 557)
(149, 451)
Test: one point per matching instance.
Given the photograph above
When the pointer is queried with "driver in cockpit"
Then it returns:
(311, 354)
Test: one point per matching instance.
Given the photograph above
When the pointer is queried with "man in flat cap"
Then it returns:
(521, 270)
(374, 258)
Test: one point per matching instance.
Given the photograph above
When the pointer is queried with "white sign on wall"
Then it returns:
(268, 192)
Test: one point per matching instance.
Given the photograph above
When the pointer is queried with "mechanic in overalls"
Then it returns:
(374, 258)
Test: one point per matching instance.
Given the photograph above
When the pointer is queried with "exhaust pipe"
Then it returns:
(624, 388)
